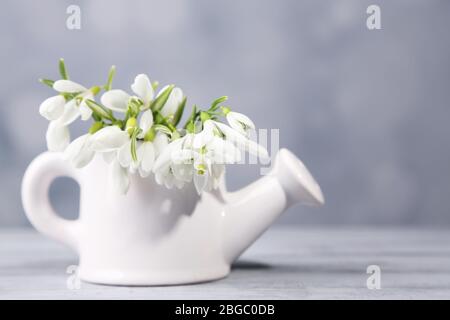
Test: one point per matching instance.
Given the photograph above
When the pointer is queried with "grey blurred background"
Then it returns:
(367, 111)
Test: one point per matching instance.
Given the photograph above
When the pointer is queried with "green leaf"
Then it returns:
(159, 102)
(47, 82)
(215, 103)
(99, 110)
(179, 113)
(62, 69)
(112, 72)
(192, 116)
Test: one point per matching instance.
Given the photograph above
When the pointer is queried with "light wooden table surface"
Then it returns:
(286, 263)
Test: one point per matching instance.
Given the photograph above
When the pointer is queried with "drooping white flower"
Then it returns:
(146, 155)
(77, 106)
(57, 136)
(145, 123)
(168, 164)
(240, 122)
(109, 139)
(79, 152)
(52, 108)
(206, 135)
(143, 88)
(117, 100)
(172, 103)
(145, 150)
(164, 176)
(241, 141)
(198, 157)
(148, 152)
(68, 86)
(209, 163)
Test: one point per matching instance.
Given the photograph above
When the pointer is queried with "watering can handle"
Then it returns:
(35, 186)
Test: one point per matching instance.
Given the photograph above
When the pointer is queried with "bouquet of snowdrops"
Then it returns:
(140, 133)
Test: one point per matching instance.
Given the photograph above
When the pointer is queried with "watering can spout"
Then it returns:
(251, 210)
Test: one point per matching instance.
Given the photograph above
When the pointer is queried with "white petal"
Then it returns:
(120, 177)
(242, 142)
(71, 113)
(124, 155)
(172, 103)
(68, 86)
(146, 121)
(116, 100)
(183, 172)
(244, 119)
(205, 136)
(183, 156)
(142, 86)
(160, 143)
(224, 151)
(240, 122)
(165, 157)
(85, 111)
(109, 139)
(79, 151)
(200, 182)
(148, 156)
(57, 136)
(52, 108)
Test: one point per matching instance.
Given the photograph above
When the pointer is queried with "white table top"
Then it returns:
(286, 263)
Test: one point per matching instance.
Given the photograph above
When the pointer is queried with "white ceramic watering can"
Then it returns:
(156, 236)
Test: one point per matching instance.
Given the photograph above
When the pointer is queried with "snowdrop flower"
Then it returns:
(204, 164)
(137, 143)
(169, 168)
(108, 139)
(148, 151)
(209, 163)
(57, 136)
(172, 103)
(79, 152)
(145, 151)
(206, 135)
(117, 100)
(241, 141)
(238, 121)
(213, 129)
(52, 108)
(77, 106)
